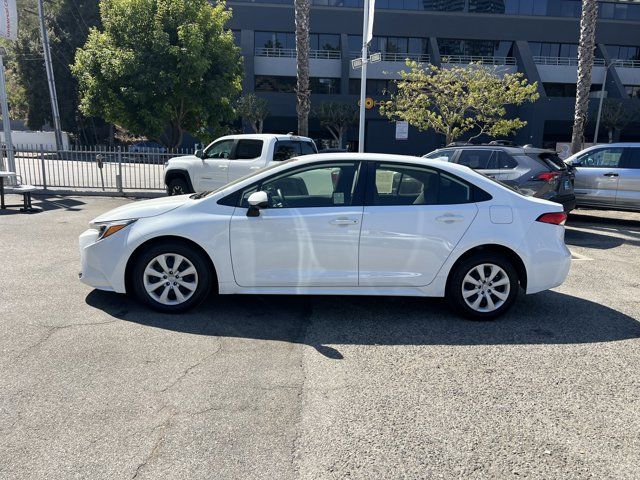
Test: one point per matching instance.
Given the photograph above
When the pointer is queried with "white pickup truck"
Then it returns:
(229, 158)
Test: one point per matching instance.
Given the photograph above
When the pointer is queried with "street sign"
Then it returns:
(356, 63)
(402, 130)
(375, 57)
(9, 20)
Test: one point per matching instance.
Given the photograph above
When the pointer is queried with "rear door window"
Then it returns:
(504, 161)
(602, 158)
(441, 154)
(248, 149)
(477, 159)
(285, 149)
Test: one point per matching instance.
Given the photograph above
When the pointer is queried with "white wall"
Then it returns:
(27, 137)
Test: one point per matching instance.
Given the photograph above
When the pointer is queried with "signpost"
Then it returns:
(8, 30)
(367, 35)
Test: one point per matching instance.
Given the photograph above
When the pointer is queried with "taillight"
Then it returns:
(556, 218)
(547, 176)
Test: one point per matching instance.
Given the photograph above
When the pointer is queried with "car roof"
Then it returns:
(506, 148)
(264, 136)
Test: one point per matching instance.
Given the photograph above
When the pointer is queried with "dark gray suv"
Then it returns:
(532, 171)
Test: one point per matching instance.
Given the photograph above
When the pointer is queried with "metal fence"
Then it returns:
(106, 169)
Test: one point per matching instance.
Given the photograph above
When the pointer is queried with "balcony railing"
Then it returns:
(484, 60)
(565, 61)
(291, 53)
(623, 63)
(397, 57)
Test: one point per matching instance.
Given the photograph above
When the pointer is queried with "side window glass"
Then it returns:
(319, 186)
(307, 148)
(476, 159)
(441, 154)
(602, 158)
(248, 149)
(284, 150)
(505, 161)
(453, 191)
(220, 149)
(401, 185)
(634, 158)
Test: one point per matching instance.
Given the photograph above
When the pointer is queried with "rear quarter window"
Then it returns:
(550, 160)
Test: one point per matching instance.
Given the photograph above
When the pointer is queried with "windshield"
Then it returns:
(196, 196)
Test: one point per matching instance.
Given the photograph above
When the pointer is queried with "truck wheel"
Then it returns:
(177, 186)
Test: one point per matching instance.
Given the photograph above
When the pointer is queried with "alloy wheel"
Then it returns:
(170, 279)
(486, 287)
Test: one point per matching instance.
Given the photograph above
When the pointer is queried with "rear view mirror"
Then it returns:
(199, 153)
(257, 200)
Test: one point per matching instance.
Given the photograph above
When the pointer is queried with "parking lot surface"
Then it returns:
(95, 386)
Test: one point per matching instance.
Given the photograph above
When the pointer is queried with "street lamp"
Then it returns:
(602, 91)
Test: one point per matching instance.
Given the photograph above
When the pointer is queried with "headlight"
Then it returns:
(106, 229)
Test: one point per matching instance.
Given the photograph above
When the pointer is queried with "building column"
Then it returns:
(614, 86)
(526, 65)
(434, 52)
(247, 51)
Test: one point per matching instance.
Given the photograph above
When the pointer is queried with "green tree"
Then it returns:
(68, 23)
(253, 110)
(457, 100)
(161, 68)
(617, 114)
(337, 118)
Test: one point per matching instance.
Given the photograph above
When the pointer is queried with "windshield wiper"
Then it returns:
(197, 196)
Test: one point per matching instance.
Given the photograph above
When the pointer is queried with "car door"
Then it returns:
(628, 194)
(247, 158)
(307, 236)
(213, 172)
(482, 160)
(413, 218)
(597, 176)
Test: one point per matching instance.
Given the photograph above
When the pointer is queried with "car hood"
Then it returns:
(143, 209)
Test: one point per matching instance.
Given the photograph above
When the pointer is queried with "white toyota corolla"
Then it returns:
(335, 224)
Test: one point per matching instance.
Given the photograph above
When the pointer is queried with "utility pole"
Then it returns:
(46, 50)
(363, 75)
(6, 122)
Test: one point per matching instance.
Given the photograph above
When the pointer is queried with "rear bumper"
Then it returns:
(568, 202)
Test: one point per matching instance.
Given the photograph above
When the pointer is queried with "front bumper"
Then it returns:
(99, 261)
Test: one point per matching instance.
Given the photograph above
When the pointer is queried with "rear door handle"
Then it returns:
(344, 221)
(611, 174)
(450, 218)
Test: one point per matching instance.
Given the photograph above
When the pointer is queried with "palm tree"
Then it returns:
(586, 50)
(303, 94)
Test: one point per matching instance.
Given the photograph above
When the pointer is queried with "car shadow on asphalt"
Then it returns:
(320, 321)
(604, 233)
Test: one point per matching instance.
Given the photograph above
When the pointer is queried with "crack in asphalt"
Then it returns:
(155, 449)
(51, 329)
(189, 369)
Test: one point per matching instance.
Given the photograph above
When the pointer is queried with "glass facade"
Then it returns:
(376, 87)
(484, 48)
(621, 10)
(287, 40)
(390, 44)
(624, 52)
(284, 84)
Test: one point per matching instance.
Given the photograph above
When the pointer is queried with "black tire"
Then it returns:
(178, 186)
(454, 295)
(203, 277)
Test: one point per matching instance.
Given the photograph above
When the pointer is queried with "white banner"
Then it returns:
(372, 7)
(8, 19)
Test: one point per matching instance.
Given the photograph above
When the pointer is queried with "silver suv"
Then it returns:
(532, 171)
(608, 176)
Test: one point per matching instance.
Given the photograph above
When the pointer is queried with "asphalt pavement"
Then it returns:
(94, 386)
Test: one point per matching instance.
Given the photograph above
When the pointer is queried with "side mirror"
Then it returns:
(257, 200)
(199, 153)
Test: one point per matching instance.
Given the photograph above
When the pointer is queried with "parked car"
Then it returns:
(229, 158)
(608, 176)
(335, 224)
(533, 171)
(146, 151)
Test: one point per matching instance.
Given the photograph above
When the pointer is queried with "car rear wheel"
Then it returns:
(177, 186)
(171, 277)
(483, 286)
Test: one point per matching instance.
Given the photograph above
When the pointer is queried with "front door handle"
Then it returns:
(611, 174)
(344, 221)
(450, 218)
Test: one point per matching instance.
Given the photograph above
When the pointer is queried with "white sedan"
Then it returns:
(335, 224)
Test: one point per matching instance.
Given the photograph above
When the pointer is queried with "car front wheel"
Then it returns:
(171, 277)
(178, 186)
(483, 286)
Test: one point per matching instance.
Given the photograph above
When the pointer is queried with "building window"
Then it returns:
(566, 89)
(282, 84)
(326, 86)
(275, 40)
(633, 90)
(392, 48)
(545, 49)
(484, 48)
(324, 41)
(273, 83)
(624, 52)
(376, 87)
